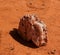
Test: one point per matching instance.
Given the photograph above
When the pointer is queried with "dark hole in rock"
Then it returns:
(22, 24)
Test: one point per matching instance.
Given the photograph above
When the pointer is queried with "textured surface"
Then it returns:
(10, 13)
(32, 28)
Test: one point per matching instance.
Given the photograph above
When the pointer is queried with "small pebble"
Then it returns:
(52, 52)
(43, 4)
(30, 3)
(48, 53)
(12, 48)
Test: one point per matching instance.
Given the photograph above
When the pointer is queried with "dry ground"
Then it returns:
(10, 13)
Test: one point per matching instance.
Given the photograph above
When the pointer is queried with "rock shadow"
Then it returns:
(18, 38)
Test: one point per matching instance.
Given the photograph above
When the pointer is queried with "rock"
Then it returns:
(32, 28)
(53, 51)
(11, 48)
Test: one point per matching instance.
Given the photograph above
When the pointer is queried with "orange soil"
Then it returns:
(10, 13)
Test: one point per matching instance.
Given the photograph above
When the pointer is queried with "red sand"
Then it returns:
(10, 13)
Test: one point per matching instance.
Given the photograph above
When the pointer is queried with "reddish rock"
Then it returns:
(31, 28)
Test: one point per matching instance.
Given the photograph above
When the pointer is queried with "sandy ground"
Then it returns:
(10, 13)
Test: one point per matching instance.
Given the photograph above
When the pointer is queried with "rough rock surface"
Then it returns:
(31, 28)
